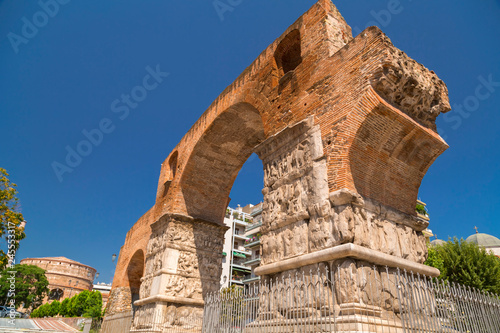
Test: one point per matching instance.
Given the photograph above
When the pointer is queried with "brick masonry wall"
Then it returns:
(64, 274)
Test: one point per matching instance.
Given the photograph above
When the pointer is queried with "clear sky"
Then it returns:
(62, 78)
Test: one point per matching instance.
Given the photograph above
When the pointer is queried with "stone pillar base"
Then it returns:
(183, 263)
(162, 316)
(117, 323)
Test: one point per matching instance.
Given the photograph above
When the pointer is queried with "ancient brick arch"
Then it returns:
(216, 159)
(389, 155)
(135, 271)
(345, 128)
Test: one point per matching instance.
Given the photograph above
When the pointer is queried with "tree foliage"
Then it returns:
(466, 263)
(29, 282)
(10, 219)
(84, 304)
(64, 308)
(434, 259)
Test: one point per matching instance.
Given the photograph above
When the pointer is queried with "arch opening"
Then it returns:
(288, 54)
(56, 294)
(135, 271)
(217, 159)
(389, 158)
(172, 165)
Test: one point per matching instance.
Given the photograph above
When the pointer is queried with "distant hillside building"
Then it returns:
(66, 277)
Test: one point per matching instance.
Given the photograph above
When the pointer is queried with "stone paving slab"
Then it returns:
(30, 325)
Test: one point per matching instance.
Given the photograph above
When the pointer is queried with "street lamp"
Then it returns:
(89, 274)
(113, 258)
(224, 279)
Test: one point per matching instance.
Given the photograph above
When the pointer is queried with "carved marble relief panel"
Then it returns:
(184, 258)
(301, 216)
(292, 184)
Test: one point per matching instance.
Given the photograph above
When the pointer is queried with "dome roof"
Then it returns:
(437, 242)
(484, 240)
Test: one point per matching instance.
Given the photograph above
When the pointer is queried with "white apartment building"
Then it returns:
(252, 244)
(234, 271)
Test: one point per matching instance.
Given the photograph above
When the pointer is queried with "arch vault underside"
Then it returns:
(345, 128)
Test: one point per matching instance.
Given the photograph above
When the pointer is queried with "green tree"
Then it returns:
(34, 314)
(45, 310)
(30, 286)
(78, 303)
(63, 309)
(466, 263)
(41, 311)
(434, 259)
(11, 219)
(84, 304)
(93, 305)
(54, 309)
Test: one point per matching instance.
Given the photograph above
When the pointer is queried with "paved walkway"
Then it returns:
(34, 325)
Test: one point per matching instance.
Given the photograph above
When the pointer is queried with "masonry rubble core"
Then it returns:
(345, 128)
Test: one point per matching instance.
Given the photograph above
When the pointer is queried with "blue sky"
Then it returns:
(65, 76)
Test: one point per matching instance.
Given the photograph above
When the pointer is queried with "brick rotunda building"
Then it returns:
(66, 277)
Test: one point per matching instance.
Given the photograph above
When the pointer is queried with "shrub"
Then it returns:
(466, 263)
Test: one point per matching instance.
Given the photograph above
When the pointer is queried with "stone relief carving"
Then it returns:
(209, 237)
(295, 195)
(374, 228)
(210, 266)
(187, 318)
(180, 286)
(188, 263)
(289, 165)
(197, 244)
(323, 232)
(180, 233)
(145, 289)
(291, 185)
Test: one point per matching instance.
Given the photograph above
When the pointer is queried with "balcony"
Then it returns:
(238, 217)
(240, 262)
(241, 237)
(251, 279)
(253, 241)
(241, 222)
(241, 250)
(252, 226)
(252, 262)
(252, 244)
(238, 278)
(256, 210)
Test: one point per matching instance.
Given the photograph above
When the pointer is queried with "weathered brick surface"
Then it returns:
(374, 106)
